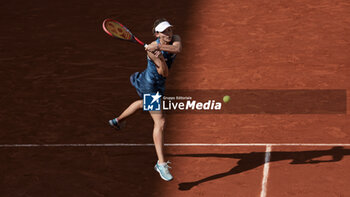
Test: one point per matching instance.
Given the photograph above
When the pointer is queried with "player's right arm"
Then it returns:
(158, 58)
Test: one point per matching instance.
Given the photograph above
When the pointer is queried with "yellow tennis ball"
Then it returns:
(226, 98)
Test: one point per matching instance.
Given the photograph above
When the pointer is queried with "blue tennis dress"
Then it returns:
(150, 81)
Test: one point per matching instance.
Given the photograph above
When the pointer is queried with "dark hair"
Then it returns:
(157, 23)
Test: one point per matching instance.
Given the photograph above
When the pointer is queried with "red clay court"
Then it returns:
(285, 132)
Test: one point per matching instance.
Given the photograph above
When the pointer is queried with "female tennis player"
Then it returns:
(160, 56)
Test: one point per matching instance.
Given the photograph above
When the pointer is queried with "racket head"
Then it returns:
(117, 30)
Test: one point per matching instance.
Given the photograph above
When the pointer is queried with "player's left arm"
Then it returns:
(174, 48)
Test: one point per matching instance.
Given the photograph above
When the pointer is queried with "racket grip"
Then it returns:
(145, 45)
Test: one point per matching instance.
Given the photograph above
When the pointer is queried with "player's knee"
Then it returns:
(160, 123)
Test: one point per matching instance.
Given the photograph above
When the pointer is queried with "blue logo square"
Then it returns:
(151, 102)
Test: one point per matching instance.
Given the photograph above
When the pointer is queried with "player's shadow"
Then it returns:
(248, 161)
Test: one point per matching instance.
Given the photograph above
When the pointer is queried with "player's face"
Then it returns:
(166, 35)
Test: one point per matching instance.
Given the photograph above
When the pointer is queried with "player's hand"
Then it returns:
(157, 53)
(152, 47)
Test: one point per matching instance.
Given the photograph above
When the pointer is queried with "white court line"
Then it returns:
(266, 171)
(172, 144)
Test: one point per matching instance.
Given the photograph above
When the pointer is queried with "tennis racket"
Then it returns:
(117, 30)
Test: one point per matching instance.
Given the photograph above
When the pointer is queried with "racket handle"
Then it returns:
(145, 45)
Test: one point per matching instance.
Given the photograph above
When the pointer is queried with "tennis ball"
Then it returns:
(226, 98)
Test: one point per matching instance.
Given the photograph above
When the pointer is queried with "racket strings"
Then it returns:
(118, 30)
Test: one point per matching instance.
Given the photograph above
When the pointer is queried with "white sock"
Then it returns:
(161, 164)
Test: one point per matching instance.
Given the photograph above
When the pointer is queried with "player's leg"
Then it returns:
(131, 109)
(127, 112)
(158, 138)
